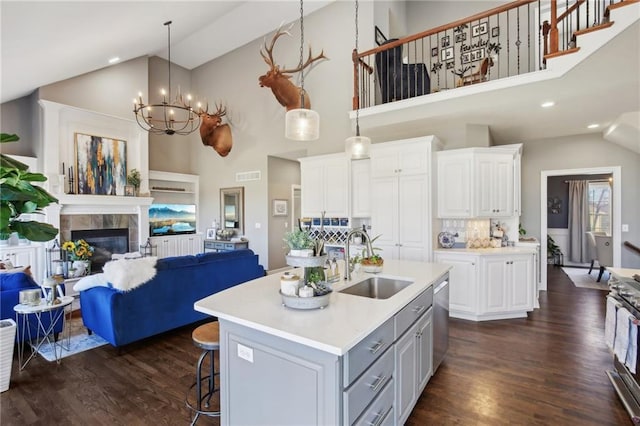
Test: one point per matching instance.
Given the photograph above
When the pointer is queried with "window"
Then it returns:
(599, 198)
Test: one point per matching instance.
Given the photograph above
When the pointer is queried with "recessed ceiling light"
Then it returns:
(548, 104)
(114, 60)
(593, 126)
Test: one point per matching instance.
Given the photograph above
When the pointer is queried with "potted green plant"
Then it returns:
(300, 243)
(374, 262)
(20, 195)
(133, 179)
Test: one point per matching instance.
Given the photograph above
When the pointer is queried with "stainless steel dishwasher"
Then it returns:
(440, 321)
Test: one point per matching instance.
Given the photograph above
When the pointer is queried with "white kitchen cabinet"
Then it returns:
(494, 182)
(479, 182)
(177, 245)
(454, 185)
(408, 157)
(463, 283)
(484, 285)
(325, 185)
(508, 284)
(413, 365)
(401, 198)
(361, 188)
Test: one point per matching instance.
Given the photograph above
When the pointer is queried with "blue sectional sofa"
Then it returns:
(166, 301)
(11, 284)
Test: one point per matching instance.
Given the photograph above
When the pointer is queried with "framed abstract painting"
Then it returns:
(101, 165)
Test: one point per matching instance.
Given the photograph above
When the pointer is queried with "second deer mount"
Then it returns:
(279, 79)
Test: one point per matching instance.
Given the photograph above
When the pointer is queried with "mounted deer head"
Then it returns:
(287, 93)
(213, 133)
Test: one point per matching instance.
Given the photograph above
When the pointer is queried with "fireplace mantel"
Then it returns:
(99, 204)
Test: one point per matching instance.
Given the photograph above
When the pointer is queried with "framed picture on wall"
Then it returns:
(280, 208)
(101, 165)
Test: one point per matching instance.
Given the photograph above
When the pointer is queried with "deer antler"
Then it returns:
(268, 58)
(221, 110)
(308, 62)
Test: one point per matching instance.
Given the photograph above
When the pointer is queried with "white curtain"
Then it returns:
(578, 221)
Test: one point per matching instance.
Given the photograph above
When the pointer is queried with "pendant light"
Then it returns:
(169, 117)
(357, 146)
(302, 124)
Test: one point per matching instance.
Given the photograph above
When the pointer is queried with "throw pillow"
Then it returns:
(127, 274)
(90, 281)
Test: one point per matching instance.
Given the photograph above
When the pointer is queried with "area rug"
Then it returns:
(78, 343)
(581, 278)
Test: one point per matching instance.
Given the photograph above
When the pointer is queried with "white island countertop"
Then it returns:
(335, 329)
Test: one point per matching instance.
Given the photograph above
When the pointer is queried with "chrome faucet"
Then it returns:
(363, 233)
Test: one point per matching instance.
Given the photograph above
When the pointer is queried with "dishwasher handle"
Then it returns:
(442, 285)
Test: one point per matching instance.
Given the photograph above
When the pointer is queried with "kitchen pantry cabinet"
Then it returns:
(325, 185)
(479, 182)
(401, 198)
(490, 286)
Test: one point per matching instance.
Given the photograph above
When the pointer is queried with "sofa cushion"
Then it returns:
(16, 280)
(127, 274)
(176, 262)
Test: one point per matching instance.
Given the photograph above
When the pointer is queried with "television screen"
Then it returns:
(169, 219)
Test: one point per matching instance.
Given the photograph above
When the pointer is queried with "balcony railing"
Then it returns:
(509, 40)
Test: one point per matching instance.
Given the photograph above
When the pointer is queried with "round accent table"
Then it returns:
(26, 315)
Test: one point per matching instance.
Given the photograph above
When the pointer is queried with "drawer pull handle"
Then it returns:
(379, 380)
(378, 418)
(375, 348)
(418, 309)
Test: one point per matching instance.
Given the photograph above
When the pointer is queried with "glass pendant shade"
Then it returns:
(302, 125)
(358, 147)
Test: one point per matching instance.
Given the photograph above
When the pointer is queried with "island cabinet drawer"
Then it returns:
(381, 411)
(367, 351)
(368, 386)
(410, 313)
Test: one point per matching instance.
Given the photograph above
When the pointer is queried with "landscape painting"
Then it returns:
(101, 165)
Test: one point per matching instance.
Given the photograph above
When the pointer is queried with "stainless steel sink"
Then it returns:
(377, 287)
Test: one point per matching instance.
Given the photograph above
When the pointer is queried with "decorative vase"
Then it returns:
(82, 268)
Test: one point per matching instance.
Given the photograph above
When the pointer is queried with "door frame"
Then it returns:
(616, 214)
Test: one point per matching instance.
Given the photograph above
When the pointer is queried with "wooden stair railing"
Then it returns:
(567, 20)
(632, 247)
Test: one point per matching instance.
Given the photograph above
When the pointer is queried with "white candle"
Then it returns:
(305, 291)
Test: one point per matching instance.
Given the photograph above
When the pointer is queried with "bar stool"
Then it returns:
(207, 337)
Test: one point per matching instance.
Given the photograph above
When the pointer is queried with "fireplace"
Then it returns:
(105, 242)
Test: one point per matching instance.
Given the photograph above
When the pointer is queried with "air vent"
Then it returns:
(247, 176)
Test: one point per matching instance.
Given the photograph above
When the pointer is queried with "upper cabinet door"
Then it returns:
(454, 185)
(325, 186)
(494, 180)
(361, 188)
(408, 158)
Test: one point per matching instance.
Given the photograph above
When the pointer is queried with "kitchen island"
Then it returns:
(357, 360)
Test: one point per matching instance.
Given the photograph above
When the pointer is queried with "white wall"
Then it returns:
(258, 119)
(582, 151)
(282, 174)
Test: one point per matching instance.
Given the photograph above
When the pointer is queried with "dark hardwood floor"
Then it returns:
(547, 369)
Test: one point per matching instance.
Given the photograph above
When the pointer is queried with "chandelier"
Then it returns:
(302, 124)
(357, 146)
(167, 117)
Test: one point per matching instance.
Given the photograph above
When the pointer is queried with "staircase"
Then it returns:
(592, 75)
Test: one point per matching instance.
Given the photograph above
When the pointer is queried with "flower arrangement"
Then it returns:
(78, 250)
(133, 178)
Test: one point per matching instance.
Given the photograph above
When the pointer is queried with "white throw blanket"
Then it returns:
(127, 274)
(610, 321)
(621, 345)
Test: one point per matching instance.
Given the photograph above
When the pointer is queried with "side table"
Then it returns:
(25, 314)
